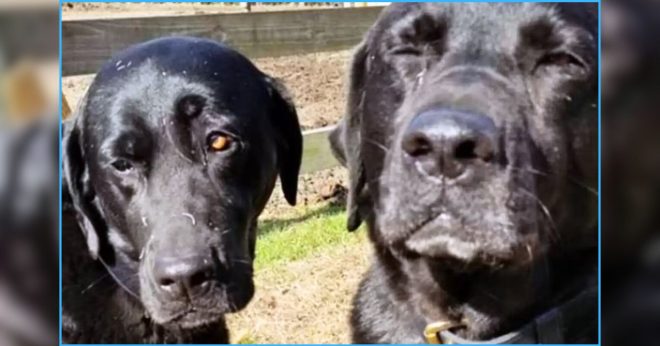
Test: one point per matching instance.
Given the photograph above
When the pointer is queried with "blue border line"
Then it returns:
(61, 2)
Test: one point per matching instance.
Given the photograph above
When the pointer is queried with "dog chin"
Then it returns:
(432, 242)
(191, 319)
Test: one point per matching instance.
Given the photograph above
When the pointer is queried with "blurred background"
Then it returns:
(630, 172)
(29, 94)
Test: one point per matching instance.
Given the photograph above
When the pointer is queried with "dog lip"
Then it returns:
(429, 241)
(190, 318)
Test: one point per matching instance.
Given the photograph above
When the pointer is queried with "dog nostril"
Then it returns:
(183, 275)
(488, 156)
(166, 282)
(417, 144)
(199, 278)
(466, 150)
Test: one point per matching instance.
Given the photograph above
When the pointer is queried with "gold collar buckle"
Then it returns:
(433, 330)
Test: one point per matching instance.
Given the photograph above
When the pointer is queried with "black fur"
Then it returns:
(143, 186)
(508, 234)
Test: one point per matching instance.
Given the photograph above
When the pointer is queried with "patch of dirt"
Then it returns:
(91, 10)
(315, 81)
(304, 301)
(323, 186)
(308, 300)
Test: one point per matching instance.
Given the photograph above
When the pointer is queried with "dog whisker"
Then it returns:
(118, 280)
(374, 180)
(545, 210)
(240, 260)
(377, 144)
(94, 283)
(544, 174)
(191, 217)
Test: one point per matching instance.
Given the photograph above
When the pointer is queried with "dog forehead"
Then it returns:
(150, 91)
(490, 25)
(200, 58)
(467, 14)
(164, 69)
(147, 93)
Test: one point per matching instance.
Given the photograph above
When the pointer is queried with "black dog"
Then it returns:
(471, 143)
(174, 153)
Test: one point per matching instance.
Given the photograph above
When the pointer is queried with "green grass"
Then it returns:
(303, 232)
(247, 340)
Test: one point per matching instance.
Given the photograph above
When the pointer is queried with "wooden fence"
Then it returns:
(316, 150)
(86, 44)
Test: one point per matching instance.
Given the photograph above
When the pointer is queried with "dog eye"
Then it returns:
(122, 165)
(406, 50)
(219, 142)
(562, 60)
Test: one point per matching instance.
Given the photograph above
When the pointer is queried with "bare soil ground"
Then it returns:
(315, 81)
(314, 188)
(308, 300)
(305, 301)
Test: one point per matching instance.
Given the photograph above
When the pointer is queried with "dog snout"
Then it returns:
(184, 276)
(448, 142)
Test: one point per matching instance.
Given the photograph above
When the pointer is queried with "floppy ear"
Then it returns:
(79, 194)
(289, 138)
(346, 143)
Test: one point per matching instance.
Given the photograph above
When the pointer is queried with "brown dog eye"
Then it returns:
(122, 165)
(219, 142)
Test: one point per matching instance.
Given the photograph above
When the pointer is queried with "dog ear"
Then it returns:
(289, 138)
(345, 140)
(77, 190)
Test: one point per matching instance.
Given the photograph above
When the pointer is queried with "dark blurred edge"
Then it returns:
(29, 31)
(29, 173)
(630, 172)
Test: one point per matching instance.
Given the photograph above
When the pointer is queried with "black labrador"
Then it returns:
(173, 154)
(471, 143)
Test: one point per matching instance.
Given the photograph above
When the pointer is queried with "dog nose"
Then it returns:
(448, 142)
(178, 276)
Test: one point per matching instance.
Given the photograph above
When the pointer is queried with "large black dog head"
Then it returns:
(471, 131)
(174, 153)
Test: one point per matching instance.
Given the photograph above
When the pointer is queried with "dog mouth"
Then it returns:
(195, 312)
(194, 317)
(446, 240)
